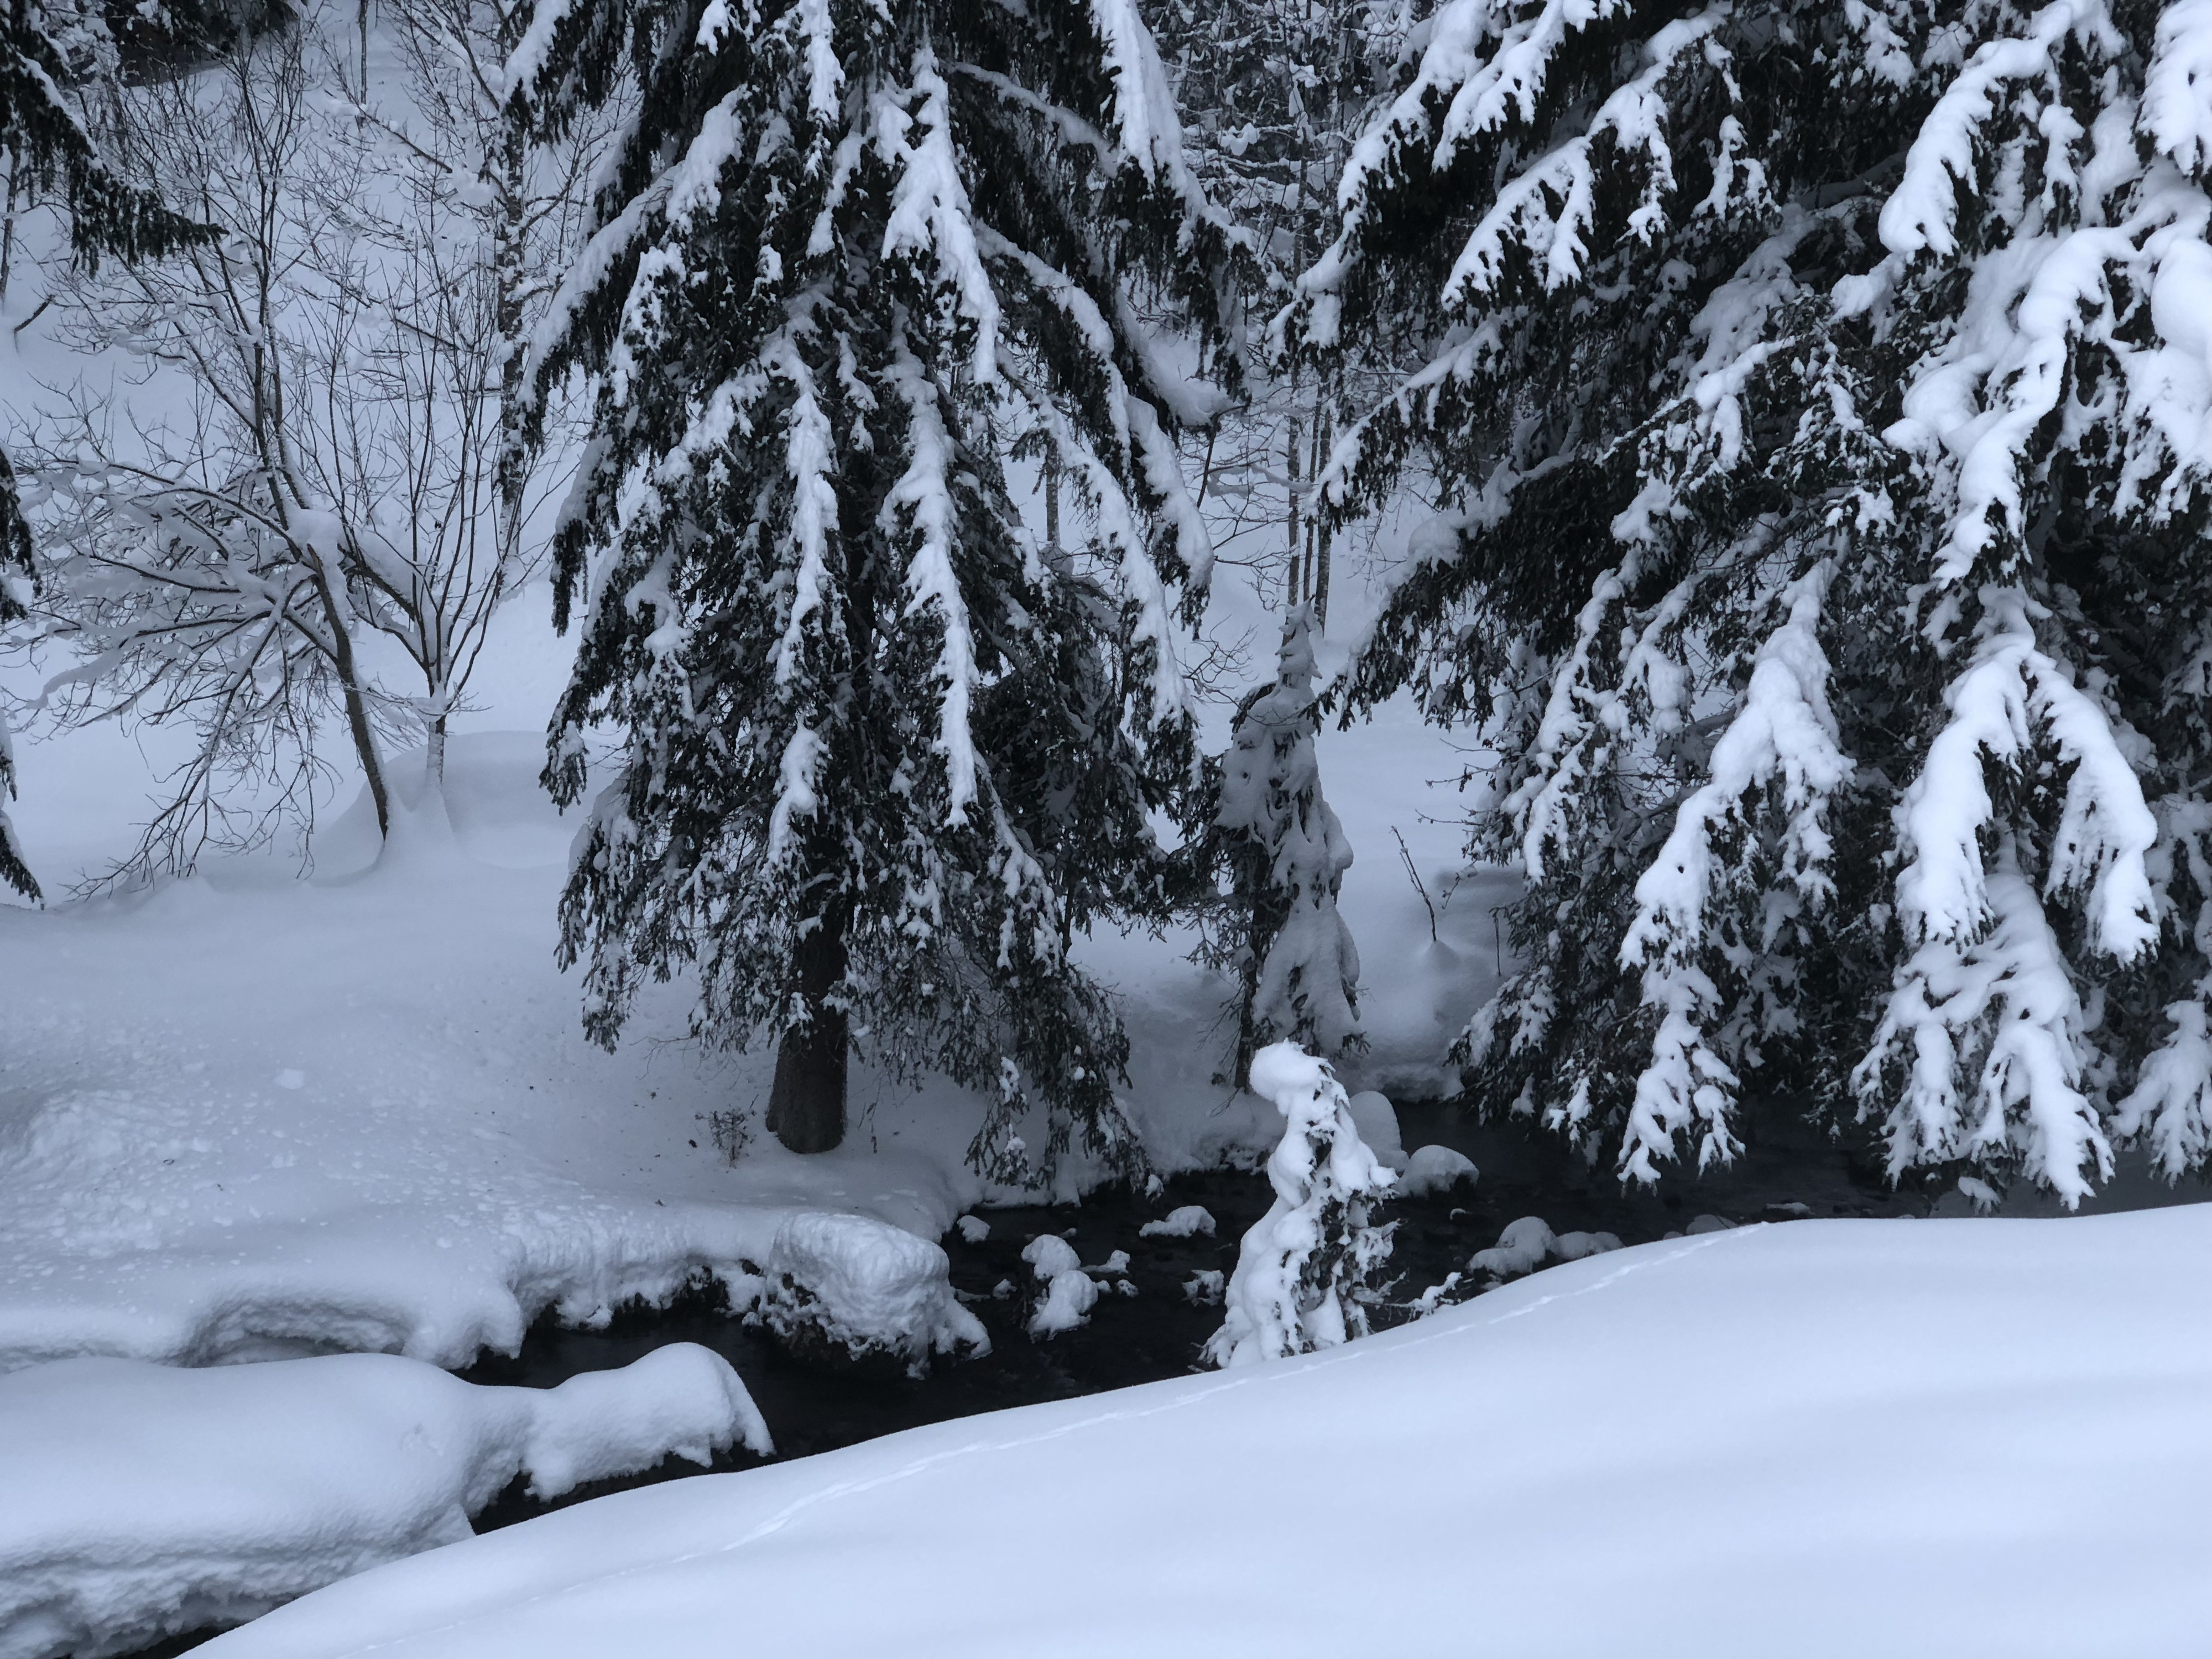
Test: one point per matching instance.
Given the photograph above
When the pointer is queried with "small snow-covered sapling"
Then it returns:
(1301, 1269)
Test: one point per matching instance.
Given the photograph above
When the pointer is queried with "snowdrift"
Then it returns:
(139, 1500)
(1847, 1437)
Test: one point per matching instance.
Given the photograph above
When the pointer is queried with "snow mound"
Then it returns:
(1434, 1170)
(851, 1282)
(1527, 1243)
(1050, 1256)
(1187, 1222)
(1376, 1120)
(2000, 1424)
(974, 1230)
(1068, 1298)
(143, 1500)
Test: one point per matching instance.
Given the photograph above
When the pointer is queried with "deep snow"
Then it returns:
(137, 1501)
(278, 1117)
(1828, 1437)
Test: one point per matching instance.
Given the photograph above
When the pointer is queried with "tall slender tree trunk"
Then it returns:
(1318, 528)
(8, 228)
(806, 1103)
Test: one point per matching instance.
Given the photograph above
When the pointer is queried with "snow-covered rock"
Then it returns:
(1049, 1255)
(1068, 1298)
(1997, 1425)
(1189, 1221)
(974, 1230)
(1433, 1171)
(1377, 1120)
(1527, 1243)
(1521, 1248)
(851, 1282)
(139, 1500)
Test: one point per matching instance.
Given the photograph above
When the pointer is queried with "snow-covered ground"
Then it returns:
(1842, 1437)
(138, 1501)
(253, 1115)
(250, 1114)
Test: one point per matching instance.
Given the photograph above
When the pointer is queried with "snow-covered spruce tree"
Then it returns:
(1300, 1269)
(1819, 397)
(1275, 851)
(883, 753)
(46, 53)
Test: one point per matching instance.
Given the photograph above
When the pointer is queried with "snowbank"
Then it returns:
(249, 1116)
(1827, 1438)
(140, 1500)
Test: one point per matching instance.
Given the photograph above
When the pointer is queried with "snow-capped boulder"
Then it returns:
(1529, 1243)
(1189, 1221)
(853, 1286)
(1376, 1120)
(1433, 1171)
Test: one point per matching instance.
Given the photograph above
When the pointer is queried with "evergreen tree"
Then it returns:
(1817, 396)
(883, 753)
(1304, 1271)
(1279, 845)
(44, 52)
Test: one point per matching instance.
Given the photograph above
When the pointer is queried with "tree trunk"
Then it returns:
(806, 1103)
(433, 757)
(356, 703)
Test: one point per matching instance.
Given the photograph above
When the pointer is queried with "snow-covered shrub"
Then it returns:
(1301, 1267)
(1816, 397)
(1273, 841)
(852, 1287)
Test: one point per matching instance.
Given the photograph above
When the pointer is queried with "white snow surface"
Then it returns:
(248, 1116)
(139, 1500)
(1994, 1435)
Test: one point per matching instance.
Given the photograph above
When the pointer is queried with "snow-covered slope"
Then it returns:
(1845, 1438)
(138, 1500)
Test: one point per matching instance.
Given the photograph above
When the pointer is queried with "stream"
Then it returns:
(1156, 1333)
(813, 1406)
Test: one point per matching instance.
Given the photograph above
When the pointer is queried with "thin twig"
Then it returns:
(1420, 886)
